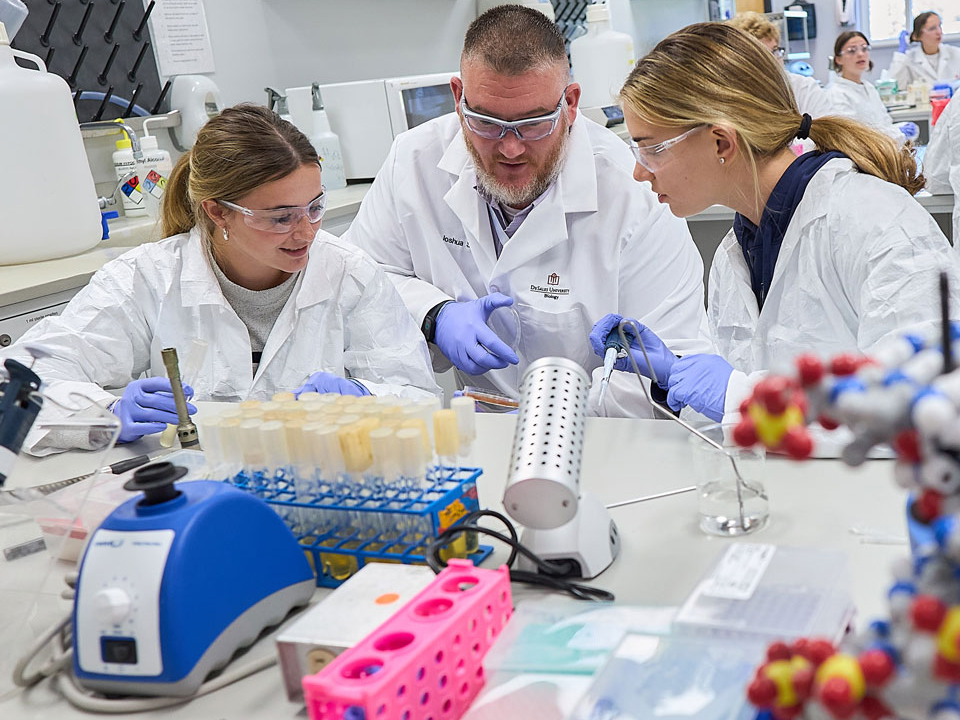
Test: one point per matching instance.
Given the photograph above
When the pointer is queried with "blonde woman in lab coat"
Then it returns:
(283, 305)
(941, 162)
(829, 251)
(811, 98)
(931, 60)
(856, 99)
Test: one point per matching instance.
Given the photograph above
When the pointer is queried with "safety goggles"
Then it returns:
(281, 220)
(855, 50)
(779, 52)
(528, 129)
(649, 156)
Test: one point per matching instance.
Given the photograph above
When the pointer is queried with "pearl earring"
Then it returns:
(722, 161)
(226, 237)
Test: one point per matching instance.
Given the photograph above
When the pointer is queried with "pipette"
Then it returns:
(614, 349)
(490, 397)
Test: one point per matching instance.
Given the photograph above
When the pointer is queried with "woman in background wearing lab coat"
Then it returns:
(811, 98)
(856, 99)
(931, 60)
(829, 251)
(283, 305)
(941, 162)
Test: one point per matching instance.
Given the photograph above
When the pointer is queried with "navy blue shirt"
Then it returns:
(761, 244)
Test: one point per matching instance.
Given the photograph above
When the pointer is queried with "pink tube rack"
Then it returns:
(424, 662)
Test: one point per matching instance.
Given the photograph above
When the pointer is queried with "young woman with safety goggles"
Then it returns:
(283, 305)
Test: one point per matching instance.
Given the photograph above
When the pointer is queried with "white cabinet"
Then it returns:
(16, 319)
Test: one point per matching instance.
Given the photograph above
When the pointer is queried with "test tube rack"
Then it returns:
(340, 534)
(425, 661)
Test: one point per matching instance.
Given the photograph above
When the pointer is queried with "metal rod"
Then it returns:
(72, 80)
(103, 104)
(102, 77)
(45, 38)
(133, 101)
(78, 35)
(108, 35)
(186, 430)
(143, 22)
(945, 323)
(657, 496)
(163, 93)
(132, 75)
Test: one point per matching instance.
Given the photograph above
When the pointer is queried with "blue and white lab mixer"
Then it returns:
(176, 580)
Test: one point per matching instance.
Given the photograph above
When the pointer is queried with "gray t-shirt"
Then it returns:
(258, 309)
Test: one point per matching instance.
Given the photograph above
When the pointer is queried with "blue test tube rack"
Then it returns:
(341, 532)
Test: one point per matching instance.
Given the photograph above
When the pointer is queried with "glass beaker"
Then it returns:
(731, 498)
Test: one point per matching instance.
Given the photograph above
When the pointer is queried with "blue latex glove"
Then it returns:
(467, 341)
(700, 381)
(661, 357)
(147, 407)
(324, 382)
(904, 40)
(910, 130)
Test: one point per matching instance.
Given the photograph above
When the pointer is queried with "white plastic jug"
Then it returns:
(48, 204)
(601, 59)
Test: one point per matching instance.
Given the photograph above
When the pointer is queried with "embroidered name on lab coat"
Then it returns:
(453, 241)
(553, 289)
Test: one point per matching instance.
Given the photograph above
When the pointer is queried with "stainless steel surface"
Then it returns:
(109, 126)
(186, 430)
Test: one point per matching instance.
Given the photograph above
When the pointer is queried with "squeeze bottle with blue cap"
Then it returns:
(130, 192)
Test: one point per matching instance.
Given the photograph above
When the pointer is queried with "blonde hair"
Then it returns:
(714, 74)
(755, 24)
(236, 152)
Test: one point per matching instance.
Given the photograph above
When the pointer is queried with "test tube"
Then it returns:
(413, 465)
(283, 396)
(209, 429)
(327, 456)
(273, 438)
(270, 410)
(466, 411)
(254, 462)
(428, 406)
(383, 445)
(447, 437)
(347, 419)
(249, 405)
(231, 444)
(426, 449)
(301, 459)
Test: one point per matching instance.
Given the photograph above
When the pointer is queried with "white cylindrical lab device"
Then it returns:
(601, 59)
(543, 482)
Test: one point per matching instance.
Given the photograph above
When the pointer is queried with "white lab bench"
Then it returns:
(32, 291)
(813, 505)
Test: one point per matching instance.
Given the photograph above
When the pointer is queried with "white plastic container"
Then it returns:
(131, 193)
(306, 110)
(601, 59)
(47, 198)
(12, 15)
(156, 171)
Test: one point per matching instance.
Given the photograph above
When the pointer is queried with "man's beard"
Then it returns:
(521, 197)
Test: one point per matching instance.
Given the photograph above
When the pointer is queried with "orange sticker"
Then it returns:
(387, 599)
(450, 514)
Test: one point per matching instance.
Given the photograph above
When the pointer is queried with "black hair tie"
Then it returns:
(804, 132)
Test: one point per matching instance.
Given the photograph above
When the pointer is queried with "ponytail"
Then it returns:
(870, 150)
(177, 213)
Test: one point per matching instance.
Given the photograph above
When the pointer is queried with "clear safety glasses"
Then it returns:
(855, 50)
(491, 128)
(650, 157)
(281, 220)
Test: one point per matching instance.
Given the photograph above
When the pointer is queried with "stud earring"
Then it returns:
(226, 237)
(722, 161)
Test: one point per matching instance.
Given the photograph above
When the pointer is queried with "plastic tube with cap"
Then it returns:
(355, 446)
(283, 396)
(309, 398)
(447, 437)
(252, 447)
(327, 455)
(466, 410)
(209, 429)
(273, 438)
(426, 449)
(413, 468)
(383, 445)
(231, 444)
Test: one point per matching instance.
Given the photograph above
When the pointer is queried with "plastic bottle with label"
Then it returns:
(131, 192)
(12, 15)
(306, 109)
(601, 59)
(157, 168)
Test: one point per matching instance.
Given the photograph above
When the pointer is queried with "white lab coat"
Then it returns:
(941, 161)
(811, 98)
(859, 262)
(343, 316)
(912, 66)
(861, 101)
(597, 242)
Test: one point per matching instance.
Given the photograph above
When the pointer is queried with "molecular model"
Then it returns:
(907, 395)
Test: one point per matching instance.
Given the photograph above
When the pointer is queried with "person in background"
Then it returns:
(518, 203)
(941, 162)
(829, 252)
(931, 60)
(811, 98)
(856, 99)
(283, 305)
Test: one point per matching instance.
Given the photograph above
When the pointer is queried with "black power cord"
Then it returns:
(551, 574)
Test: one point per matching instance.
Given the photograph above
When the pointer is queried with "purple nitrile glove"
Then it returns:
(464, 337)
(700, 382)
(909, 129)
(661, 357)
(147, 407)
(324, 382)
(904, 40)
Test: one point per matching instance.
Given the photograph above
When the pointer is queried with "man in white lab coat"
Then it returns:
(518, 214)
(941, 161)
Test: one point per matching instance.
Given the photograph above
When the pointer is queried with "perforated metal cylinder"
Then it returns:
(544, 474)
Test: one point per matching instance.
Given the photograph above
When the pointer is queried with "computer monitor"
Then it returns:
(415, 99)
